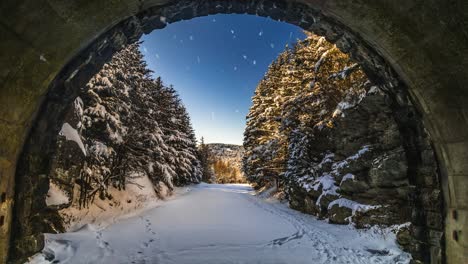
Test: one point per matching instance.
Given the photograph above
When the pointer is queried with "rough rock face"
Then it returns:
(343, 148)
(361, 168)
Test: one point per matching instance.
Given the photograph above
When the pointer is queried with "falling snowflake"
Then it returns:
(198, 59)
(42, 58)
(272, 45)
(260, 33)
(232, 31)
(214, 20)
(191, 37)
(163, 19)
(181, 41)
(254, 62)
(157, 56)
(235, 68)
(144, 49)
(174, 36)
(237, 111)
(290, 35)
(244, 56)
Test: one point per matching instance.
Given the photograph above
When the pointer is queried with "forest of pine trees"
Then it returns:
(226, 172)
(129, 125)
(335, 144)
(322, 133)
(299, 93)
(206, 161)
(221, 163)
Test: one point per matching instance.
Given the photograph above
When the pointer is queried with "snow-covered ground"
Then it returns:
(138, 196)
(222, 224)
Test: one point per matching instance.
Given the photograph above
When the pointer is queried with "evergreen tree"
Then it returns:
(205, 160)
(132, 126)
(180, 162)
(299, 96)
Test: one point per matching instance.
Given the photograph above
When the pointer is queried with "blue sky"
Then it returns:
(215, 63)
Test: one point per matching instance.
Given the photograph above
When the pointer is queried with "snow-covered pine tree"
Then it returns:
(110, 105)
(197, 172)
(127, 125)
(346, 158)
(188, 167)
(181, 157)
(205, 158)
(266, 149)
(259, 137)
(299, 93)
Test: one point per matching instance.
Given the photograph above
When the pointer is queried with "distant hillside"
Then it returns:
(227, 151)
(226, 162)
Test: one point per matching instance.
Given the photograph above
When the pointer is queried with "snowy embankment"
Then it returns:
(138, 196)
(221, 224)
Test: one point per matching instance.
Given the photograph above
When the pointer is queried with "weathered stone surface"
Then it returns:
(435, 237)
(314, 194)
(382, 216)
(431, 199)
(378, 160)
(424, 43)
(297, 198)
(339, 214)
(310, 207)
(404, 237)
(325, 200)
(354, 186)
(389, 170)
(434, 220)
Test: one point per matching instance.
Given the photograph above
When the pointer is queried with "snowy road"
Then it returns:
(223, 224)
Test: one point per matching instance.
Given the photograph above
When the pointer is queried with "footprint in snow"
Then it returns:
(284, 240)
(103, 244)
(378, 252)
(147, 244)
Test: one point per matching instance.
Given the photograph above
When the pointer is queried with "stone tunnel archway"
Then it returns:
(50, 45)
